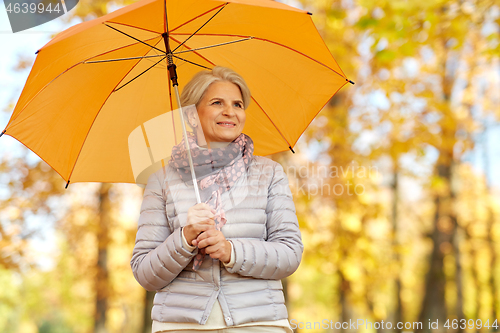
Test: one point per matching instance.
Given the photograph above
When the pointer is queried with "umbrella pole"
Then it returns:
(184, 133)
(173, 76)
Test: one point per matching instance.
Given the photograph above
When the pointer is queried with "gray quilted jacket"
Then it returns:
(262, 226)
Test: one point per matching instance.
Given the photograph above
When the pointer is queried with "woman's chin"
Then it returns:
(227, 137)
(224, 139)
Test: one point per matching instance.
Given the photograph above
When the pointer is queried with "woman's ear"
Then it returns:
(192, 116)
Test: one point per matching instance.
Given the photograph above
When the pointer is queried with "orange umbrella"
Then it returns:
(96, 82)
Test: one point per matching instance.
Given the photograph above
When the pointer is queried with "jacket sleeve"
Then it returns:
(158, 255)
(279, 256)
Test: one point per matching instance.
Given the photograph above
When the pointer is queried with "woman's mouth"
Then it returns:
(226, 124)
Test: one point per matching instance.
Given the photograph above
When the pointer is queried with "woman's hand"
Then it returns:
(215, 244)
(200, 218)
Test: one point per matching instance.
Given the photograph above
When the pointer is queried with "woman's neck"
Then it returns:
(214, 145)
(201, 142)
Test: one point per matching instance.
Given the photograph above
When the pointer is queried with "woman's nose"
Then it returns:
(228, 110)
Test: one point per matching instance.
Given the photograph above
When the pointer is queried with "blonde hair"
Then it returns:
(195, 89)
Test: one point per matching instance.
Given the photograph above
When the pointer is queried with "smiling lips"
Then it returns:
(227, 124)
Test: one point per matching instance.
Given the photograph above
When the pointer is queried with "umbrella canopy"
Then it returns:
(96, 82)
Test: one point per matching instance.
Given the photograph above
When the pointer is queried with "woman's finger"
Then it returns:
(204, 213)
(203, 226)
(200, 212)
(208, 233)
(209, 238)
(220, 251)
(193, 230)
(204, 207)
(211, 249)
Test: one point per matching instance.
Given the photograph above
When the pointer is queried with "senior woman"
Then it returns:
(216, 266)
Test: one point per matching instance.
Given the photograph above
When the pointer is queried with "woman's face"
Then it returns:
(221, 113)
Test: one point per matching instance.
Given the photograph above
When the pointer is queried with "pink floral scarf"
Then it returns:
(216, 171)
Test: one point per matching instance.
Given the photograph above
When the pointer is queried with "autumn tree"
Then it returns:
(413, 60)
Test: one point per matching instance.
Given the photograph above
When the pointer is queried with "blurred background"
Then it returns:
(396, 185)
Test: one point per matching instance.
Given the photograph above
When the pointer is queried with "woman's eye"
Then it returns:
(238, 105)
(216, 103)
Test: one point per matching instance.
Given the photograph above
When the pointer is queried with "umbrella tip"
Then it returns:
(291, 149)
(351, 82)
(2, 133)
(66, 185)
(309, 13)
(37, 51)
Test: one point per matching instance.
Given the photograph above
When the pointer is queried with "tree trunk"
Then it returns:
(459, 305)
(445, 220)
(475, 278)
(102, 284)
(398, 313)
(434, 306)
(344, 287)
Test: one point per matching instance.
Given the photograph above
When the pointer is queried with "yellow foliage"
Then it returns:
(410, 54)
(351, 222)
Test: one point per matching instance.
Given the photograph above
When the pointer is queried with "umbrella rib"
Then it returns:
(193, 63)
(140, 74)
(204, 24)
(34, 152)
(272, 122)
(305, 55)
(113, 50)
(272, 42)
(153, 47)
(45, 86)
(336, 91)
(194, 18)
(132, 26)
(199, 55)
(97, 114)
(64, 71)
(215, 45)
(119, 59)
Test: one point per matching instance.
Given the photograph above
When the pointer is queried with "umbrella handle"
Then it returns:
(188, 149)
